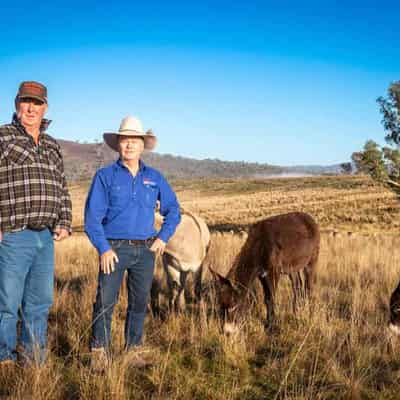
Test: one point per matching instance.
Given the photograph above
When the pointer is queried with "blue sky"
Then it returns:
(294, 83)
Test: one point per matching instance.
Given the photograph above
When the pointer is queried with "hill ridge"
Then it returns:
(81, 161)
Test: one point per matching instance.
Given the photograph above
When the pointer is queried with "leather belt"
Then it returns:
(36, 229)
(133, 242)
(31, 228)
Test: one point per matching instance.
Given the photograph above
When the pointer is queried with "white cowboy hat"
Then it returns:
(130, 126)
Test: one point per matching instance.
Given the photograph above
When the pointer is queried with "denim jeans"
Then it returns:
(138, 260)
(26, 286)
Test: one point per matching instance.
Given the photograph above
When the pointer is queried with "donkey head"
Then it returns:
(229, 301)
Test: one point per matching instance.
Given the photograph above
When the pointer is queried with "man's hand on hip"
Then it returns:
(107, 261)
(158, 246)
(60, 234)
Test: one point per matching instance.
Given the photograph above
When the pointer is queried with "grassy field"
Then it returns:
(352, 203)
(340, 351)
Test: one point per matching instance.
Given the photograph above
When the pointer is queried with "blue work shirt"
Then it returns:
(121, 206)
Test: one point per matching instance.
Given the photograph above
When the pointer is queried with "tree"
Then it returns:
(383, 163)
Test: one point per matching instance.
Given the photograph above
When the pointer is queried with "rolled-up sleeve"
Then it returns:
(169, 209)
(95, 210)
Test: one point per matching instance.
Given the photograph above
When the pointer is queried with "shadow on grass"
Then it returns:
(75, 284)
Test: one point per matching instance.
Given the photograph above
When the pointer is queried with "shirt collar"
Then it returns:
(142, 165)
(43, 126)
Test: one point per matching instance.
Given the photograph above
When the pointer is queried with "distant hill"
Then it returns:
(83, 159)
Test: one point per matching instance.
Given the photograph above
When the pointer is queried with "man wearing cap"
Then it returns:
(35, 208)
(119, 221)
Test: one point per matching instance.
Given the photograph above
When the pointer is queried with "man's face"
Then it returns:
(30, 112)
(130, 147)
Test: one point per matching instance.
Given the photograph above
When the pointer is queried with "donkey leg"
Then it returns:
(155, 297)
(173, 281)
(294, 279)
(269, 284)
(173, 288)
(309, 279)
(301, 286)
(180, 303)
(198, 284)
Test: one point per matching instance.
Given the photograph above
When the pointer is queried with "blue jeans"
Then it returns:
(26, 285)
(138, 260)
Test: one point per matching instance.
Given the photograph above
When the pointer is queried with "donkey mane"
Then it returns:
(243, 271)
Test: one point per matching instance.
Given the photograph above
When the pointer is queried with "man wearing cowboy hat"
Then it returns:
(119, 221)
(35, 208)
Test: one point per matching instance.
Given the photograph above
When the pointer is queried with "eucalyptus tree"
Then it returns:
(382, 163)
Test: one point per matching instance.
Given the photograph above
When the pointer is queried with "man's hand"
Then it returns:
(158, 246)
(107, 261)
(60, 234)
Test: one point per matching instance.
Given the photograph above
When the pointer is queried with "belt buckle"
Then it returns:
(115, 242)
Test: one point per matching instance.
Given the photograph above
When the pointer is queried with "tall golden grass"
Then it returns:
(340, 349)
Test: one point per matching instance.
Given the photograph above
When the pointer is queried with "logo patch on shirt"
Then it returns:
(148, 182)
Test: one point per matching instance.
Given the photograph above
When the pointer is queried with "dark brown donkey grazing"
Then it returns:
(283, 244)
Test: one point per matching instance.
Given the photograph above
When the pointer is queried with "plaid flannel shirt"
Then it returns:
(33, 189)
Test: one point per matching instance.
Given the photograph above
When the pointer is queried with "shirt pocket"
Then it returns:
(119, 196)
(53, 159)
(50, 159)
(18, 154)
(150, 195)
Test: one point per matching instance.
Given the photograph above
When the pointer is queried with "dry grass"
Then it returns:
(340, 351)
(344, 203)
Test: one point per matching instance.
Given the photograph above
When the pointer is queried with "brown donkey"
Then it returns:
(283, 244)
